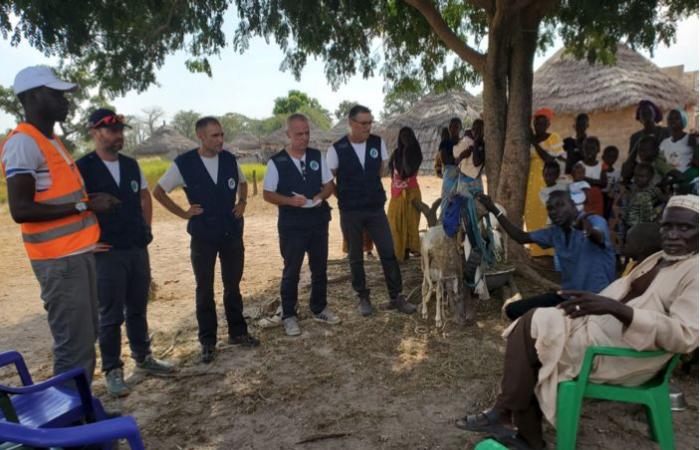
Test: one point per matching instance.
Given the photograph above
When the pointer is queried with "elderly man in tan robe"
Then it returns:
(654, 307)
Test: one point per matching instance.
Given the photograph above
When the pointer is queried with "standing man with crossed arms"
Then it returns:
(357, 161)
(46, 195)
(298, 181)
(211, 178)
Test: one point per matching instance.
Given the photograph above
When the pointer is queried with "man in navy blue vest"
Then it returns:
(298, 181)
(357, 161)
(211, 178)
(123, 270)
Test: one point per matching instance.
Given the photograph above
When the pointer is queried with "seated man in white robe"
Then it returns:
(655, 307)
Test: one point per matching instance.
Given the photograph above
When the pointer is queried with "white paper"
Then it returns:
(310, 203)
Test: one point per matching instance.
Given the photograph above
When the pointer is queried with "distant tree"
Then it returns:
(153, 118)
(400, 96)
(184, 121)
(136, 135)
(343, 109)
(233, 124)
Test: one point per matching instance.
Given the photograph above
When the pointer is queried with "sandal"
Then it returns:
(484, 422)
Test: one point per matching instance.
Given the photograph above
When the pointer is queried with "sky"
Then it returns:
(248, 83)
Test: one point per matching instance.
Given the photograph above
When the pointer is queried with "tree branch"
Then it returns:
(449, 37)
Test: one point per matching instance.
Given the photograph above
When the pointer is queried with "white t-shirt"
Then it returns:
(115, 171)
(173, 178)
(593, 172)
(272, 177)
(545, 191)
(678, 154)
(21, 155)
(578, 193)
(360, 150)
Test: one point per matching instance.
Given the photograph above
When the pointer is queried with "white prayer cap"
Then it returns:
(684, 201)
(36, 76)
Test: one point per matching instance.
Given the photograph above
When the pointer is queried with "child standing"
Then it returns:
(595, 176)
(610, 156)
(645, 200)
(580, 187)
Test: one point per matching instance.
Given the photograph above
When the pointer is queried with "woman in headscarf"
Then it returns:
(404, 164)
(546, 146)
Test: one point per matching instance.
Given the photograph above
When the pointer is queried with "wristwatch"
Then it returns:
(81, 207)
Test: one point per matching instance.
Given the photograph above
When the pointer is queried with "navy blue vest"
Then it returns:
(291, 180)
(125, 226)
(359, 188)
(217, 223)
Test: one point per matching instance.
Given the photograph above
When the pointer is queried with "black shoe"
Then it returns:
(245, 340)
(208, 353)
(365, 306)
(400, 304)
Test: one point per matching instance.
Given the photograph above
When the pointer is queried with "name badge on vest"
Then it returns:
(313, 165)
(231, 183)
(374, 153)
(134, 186)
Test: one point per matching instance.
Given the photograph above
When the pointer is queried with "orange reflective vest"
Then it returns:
(70, 234)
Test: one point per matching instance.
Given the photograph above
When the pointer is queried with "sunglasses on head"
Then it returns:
(109, 120)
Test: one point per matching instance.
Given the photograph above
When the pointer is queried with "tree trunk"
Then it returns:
(495, 100)
(516, 152)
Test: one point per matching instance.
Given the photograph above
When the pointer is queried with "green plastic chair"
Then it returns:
(653, 394)
(490, 444)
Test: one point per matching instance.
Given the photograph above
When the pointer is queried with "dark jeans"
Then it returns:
(375, 222)
(123, 281)
(231, 255)
(520, 307)
(294, 244)
(520, 372)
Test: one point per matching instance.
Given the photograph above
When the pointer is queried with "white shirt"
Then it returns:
(678, 154)
(578, 193)
(593, 172)
(466, 165)
(360, 150)
(21, 155)
(173, 178)
(115, 171)
(272, 177)
(547, 190)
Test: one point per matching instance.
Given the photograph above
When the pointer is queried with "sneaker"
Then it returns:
(208, 353)
(291, 326)
(246, 341)
(114, 380)
(155, 366)
(365, 306)
(327, 316)
(400, 304)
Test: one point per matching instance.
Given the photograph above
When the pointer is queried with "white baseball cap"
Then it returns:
(37, 76)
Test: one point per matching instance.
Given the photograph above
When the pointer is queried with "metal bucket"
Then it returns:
(498, 279)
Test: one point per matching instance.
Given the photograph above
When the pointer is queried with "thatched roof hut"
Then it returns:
(275, 141)
(427, 118)
(166, 142)
(245, 141)
(609, 94)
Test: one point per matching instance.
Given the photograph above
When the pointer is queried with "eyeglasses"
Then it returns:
(364, 124)
(109, 120)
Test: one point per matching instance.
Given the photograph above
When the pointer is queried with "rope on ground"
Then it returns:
(321, 437)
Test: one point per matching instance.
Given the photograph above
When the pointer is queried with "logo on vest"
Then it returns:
(374, 153)
(231, 183)
(313, 165)
(134, 186)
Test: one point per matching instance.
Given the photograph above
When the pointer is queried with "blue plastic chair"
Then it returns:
(102, 432)
(48, 404)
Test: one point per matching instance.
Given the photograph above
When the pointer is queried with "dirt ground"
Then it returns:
(384, 382)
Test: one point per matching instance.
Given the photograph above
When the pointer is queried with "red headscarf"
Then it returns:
(546, 112)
